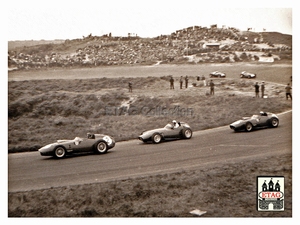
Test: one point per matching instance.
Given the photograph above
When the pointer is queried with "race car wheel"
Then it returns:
(59, 152)
(249, 126)
(101, 147)
(274, 122)
(249, 76)
(241, 76)
(156, 138)
(187, 133)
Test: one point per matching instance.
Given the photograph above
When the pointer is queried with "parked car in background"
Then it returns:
(248, 75)
(217, 74)
(98, 143)
(263, 120)
(174, 130)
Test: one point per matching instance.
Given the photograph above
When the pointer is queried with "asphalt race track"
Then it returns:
(207, 148)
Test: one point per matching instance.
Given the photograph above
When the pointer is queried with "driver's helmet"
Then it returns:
(262, 113)
(175, 124)
(89, 135)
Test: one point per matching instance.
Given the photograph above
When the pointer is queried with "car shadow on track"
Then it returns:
(162, 142)
(255, 129)
(75, 155)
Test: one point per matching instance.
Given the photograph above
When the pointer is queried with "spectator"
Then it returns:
(288, 91)
(171, 83)
(186, 81)
(181, 82)
(130, 86)
(204, 81)
(262, 87)
(212, 87)
(256, 90)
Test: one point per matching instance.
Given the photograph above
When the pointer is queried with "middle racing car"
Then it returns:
(174, 130)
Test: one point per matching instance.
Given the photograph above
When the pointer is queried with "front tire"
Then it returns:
(101, 147)
(249, 126)
(187, 133)
(59, 152)
(274, 122)
(156, 138)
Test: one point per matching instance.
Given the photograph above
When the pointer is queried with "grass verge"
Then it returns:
(227, 190)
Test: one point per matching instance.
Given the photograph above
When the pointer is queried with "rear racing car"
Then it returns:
(263, 120)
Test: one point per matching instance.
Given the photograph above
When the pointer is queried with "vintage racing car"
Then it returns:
(217, 74)
(264, 119)
(174, 130)
(98, 143)
(245, 74)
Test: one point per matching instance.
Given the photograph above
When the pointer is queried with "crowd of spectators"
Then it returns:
(109, 50)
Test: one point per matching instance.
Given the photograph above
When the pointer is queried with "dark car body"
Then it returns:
(217, 74)
(264, 119)
(181, 131)
(98, 143)
(248, 75)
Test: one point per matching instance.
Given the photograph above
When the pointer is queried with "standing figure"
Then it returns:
(256, 90)
(262, 87)
(171, 83)
(181, 82)
(288, 91)
(130, 86)
(212, 87)
(204, 81)
(186, 81)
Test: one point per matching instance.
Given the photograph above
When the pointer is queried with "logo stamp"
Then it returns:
(270, 193)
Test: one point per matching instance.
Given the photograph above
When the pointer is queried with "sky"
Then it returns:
(49, 20)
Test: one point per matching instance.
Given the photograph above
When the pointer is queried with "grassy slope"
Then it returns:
(63, 109)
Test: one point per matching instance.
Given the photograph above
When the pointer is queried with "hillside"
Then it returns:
(14, 45)
(207, 44)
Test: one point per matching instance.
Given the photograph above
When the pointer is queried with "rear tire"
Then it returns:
(187, 133)
(249, 126)
(156, 138)
(274, 122)
(101, 147)
(59, 152)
